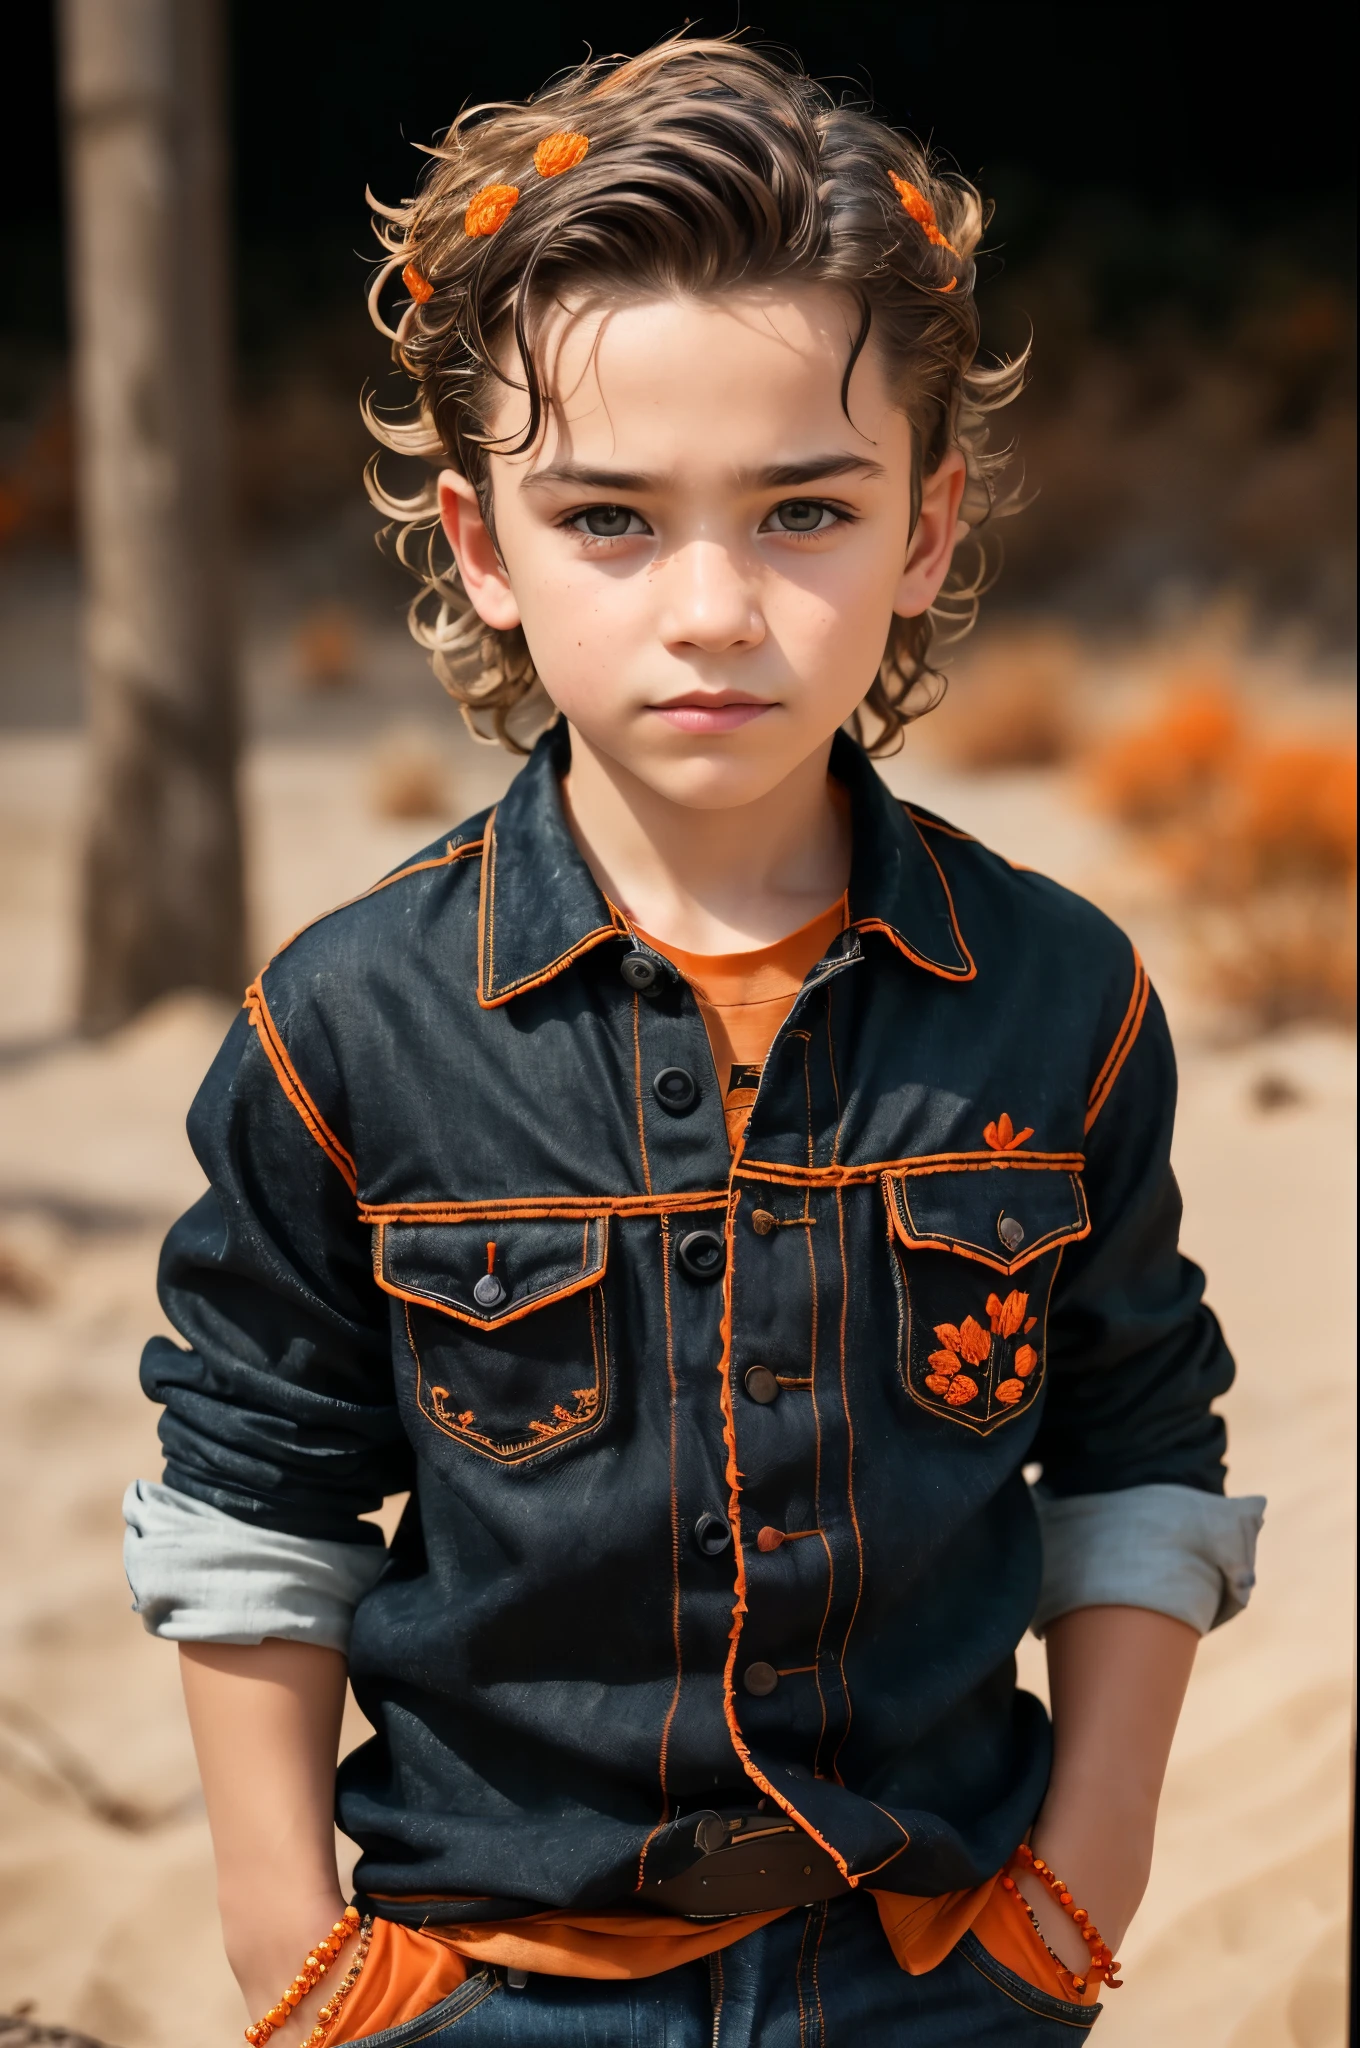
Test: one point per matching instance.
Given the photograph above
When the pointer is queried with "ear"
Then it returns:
(479, 564)
(938, 532)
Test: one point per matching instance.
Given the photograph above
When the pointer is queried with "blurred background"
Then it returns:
(1158, 708)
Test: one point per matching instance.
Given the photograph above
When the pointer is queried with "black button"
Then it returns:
(1011, 1232)
(760, 1679)
(712, 1535)
(702, 1254)
(676, 1090)
(488, 1293)
(639, 971)
(761, 1385)
(762, 1222)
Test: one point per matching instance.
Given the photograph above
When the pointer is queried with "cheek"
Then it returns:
(832, 611)
(580, 626)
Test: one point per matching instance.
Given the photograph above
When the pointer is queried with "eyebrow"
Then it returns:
(775, 477)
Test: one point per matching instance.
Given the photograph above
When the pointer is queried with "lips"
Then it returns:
(711, 714)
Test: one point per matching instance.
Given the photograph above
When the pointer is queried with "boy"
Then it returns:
(705, 1183)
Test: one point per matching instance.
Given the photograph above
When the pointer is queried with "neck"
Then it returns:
(710, 881)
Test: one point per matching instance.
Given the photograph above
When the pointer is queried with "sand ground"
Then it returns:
(1241, 1941)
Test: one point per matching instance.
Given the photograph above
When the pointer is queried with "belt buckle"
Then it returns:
(711, 1865)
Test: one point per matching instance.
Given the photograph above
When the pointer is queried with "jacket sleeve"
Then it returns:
(279, 1409)
(1135, 1358)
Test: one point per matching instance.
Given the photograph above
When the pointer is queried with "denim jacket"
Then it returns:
(716, 1463)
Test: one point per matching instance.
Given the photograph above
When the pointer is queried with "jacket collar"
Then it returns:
(541, 909)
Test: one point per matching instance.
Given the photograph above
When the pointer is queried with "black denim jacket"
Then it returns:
(468, 1232)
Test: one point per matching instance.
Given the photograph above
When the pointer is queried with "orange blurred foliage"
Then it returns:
(1014, 706)
(1169, 766)
(325, 647)
(1259, 837)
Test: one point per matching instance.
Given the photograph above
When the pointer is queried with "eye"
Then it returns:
(802, 515)
(607, 522)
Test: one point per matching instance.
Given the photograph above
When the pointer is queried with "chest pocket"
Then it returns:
(975, 1254)
(506, 1326)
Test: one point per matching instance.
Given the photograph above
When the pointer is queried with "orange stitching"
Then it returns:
(530, 1208)
(835, 1086)
(1100, 1095)
(551, 971)
(1125, 1021)
(587, 1277)
(925, 824)
(487, 999)
(824, 1915)
(637, 1090)
(586, 1420)
(798, 1978)
(486, 937)
(290, 1081)
(905, 1842)
(814, 1321)
(894, 1196)
(873, 924)
(675, 1542)
(925, 1162)
(450, 854)
(505, 1208)
(849, 1488)
(739, 1607)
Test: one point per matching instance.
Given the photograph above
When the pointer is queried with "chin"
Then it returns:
(707, 784)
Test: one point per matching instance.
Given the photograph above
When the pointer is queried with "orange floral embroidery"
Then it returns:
(490, 209)
(922, 212)
(967, 1342)
(419, 287)
(560, 152)
(974, 1343)
(1002, 1136)
(1006, 1316)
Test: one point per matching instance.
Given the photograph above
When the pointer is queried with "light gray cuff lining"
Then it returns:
(1172, 1549)
(200, 1576)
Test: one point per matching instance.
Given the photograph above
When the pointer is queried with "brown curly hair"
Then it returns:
(711, 166)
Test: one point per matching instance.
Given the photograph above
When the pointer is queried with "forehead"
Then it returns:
(681, 376)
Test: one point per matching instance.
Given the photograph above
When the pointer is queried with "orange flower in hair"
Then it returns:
(419, 287)
(490, 209)
(560, 152)
(921, 211)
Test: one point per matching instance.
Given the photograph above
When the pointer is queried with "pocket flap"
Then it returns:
(490, 1272)
(1001, 1214)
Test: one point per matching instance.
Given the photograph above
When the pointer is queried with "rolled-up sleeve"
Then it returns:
(1135, 1357)
(279, 1407)
(1131, 1494)
(1173, 1549)
(200, 1576)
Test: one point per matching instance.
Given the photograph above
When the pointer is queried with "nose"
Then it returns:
(708, 603)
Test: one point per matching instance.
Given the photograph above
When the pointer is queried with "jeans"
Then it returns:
(821, 1977)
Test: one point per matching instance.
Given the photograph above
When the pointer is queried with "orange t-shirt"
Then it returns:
(408, 1971)
(743, 998)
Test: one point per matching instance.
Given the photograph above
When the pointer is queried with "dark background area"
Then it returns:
(1173, 218)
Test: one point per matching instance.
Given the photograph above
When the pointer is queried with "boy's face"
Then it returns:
(704, 551)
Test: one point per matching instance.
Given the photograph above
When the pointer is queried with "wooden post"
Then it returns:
(143, 91)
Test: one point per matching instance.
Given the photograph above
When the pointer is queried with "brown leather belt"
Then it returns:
(711, 1865)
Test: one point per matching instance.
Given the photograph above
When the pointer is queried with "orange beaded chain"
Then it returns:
(318, 1961)
(1102, 1964)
